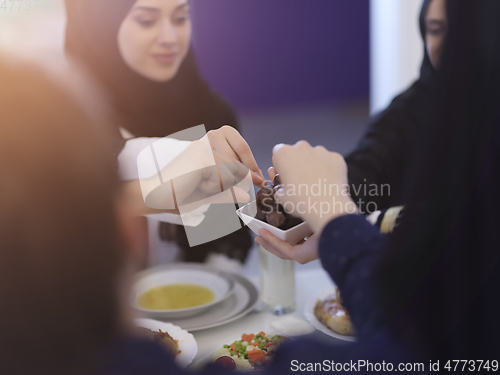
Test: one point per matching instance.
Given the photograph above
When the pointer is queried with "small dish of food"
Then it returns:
(176, 341)
(326, 313)
(253, 352)
(171, 292)
(266, 213)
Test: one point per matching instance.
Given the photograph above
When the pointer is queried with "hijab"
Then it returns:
(441, 271)
(414, 99)
(147, 108)
(427, 71)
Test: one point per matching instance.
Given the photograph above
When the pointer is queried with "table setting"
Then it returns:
(239, 319)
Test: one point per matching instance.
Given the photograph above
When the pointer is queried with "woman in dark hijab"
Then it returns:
(140, 52)
(388, 151)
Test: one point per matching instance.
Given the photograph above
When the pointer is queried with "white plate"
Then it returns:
(219, 283)
(187, 343)
(243, 300)
(311, 318)
(292, 236)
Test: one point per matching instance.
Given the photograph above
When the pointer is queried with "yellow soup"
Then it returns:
(175, 296)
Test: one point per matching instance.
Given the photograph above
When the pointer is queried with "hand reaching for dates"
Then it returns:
(315, 183)
(270, 211)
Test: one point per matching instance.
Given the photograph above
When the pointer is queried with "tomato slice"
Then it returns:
(247, 338)
(256, 355)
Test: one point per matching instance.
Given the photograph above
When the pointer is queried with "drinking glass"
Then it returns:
(277, 276)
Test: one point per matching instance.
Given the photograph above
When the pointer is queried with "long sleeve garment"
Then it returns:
(377, 168)
(386, 156)
(350, 251)
(381, 164)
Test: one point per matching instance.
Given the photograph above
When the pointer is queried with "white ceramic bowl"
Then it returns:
(220, 284)
(292, 236)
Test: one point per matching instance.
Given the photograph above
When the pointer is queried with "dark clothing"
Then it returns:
(147, 108)
(350, 250)
(381, 168)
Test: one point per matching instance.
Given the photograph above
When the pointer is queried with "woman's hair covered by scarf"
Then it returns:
(147, 108)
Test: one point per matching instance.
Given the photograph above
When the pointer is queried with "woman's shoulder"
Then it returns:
(402, 117)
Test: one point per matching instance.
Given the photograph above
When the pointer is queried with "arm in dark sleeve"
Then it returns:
(350, 250)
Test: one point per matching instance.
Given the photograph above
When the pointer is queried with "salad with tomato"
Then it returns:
(252, 352)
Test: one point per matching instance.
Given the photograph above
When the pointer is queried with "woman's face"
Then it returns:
(436, 27)
(155, 36)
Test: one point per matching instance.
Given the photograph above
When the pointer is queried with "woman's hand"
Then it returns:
(304, 252)
(314, 183)
(228, 142)
(225, 182)
(218, 168)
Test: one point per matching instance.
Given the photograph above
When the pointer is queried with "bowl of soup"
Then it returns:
(180, 290)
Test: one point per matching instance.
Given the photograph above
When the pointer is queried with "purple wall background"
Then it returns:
(282, 53)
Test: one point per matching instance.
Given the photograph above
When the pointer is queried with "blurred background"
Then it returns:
(292, 69)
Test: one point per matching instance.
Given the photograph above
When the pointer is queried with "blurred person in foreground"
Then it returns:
(434, 284)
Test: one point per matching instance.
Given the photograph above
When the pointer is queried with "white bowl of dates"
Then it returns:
(266, 213)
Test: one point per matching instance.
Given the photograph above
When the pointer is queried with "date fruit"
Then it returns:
(270, 211)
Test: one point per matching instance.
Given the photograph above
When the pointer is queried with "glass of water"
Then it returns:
(277, 283)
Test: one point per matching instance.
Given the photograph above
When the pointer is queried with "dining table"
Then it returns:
(310, 280)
